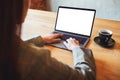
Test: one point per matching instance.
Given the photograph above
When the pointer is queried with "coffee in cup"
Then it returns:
(105, 36)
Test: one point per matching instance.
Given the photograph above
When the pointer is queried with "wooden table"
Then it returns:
(107, 59)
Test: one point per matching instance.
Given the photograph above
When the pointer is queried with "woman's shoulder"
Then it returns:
(28, 49)
(29, 56)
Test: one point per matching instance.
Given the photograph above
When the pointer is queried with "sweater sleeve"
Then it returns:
(37, 41)
(84, 62)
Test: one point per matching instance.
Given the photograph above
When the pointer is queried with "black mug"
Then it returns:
(105, 36)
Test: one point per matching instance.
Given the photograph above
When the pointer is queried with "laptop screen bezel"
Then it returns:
(77, 9)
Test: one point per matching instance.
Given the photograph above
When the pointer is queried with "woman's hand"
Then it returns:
(52, 38)
(71, 43)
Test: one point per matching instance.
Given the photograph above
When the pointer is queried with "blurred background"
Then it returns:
(106, 9)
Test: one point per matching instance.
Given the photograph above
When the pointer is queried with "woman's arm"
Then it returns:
(83, 59)
(37, 41)
(84, 63)
(40, 41)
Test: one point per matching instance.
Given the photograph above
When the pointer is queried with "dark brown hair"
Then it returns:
(10, 16)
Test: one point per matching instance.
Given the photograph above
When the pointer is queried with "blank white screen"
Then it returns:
(75, 21)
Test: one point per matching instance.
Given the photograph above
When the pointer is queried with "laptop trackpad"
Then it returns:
(59, 45)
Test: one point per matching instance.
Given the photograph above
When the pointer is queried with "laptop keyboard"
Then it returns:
(67, 36)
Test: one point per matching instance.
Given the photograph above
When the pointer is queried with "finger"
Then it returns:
(57, 35)
(69, 40)
(57, 40)
(74, 40)
(66, 44)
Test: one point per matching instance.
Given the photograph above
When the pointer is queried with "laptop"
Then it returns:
(74, 22)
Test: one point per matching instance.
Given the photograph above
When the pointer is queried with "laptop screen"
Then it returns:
(75, 20)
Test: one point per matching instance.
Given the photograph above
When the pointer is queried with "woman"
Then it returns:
(29, 60)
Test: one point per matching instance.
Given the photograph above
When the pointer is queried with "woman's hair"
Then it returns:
(10, 16)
